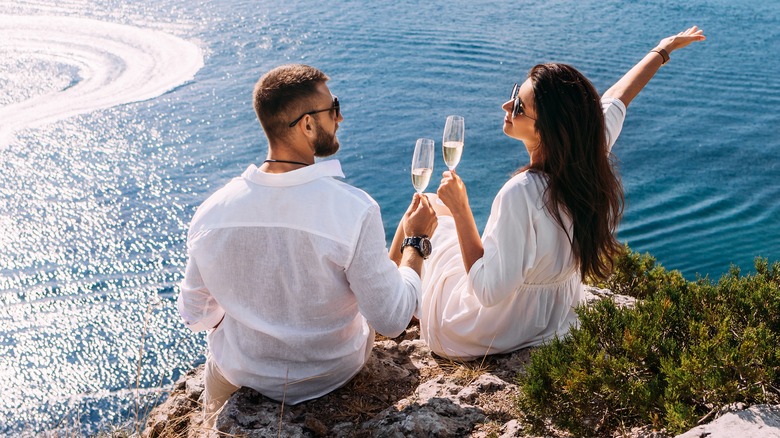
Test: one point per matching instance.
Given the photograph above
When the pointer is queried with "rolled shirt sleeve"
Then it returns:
(614, 115)
(387, 295)
(199, 310)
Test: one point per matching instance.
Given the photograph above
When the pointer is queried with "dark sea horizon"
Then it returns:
(118, 119)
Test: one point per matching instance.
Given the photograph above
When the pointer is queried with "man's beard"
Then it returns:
(325, 144)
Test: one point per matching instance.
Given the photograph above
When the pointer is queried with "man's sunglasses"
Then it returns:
(517, 104)
(335, 106)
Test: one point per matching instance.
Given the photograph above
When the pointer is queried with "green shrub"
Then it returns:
(638, 275)
(682, 353)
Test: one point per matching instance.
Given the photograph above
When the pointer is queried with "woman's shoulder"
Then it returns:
(526, 182)
(526, 187)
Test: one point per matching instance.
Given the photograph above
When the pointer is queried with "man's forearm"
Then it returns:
(411, 259)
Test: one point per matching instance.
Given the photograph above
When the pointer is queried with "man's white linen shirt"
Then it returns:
(297, 265)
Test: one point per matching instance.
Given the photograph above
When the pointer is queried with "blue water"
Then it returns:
(94, 207)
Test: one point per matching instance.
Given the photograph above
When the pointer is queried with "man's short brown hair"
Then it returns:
(282, 93)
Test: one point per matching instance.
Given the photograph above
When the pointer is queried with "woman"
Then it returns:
(551, 225)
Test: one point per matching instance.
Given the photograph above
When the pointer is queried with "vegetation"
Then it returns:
(639, 276)
(686, 350)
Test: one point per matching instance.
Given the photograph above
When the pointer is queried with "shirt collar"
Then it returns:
(329, 168)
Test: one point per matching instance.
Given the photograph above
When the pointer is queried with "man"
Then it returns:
(288, 267)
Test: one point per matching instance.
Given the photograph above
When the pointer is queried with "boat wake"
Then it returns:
(106, 64)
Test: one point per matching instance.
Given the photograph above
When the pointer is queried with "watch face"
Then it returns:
(425, 246)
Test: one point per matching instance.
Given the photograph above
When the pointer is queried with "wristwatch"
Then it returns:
(421, 243)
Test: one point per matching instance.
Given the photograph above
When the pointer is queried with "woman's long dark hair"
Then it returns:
(574, 157)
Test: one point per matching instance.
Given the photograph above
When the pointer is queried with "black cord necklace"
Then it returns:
(286, 161)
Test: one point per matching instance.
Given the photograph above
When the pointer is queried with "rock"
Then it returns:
(438, 417)
(758, 421)
(179, 414)
(511, 429)
(418, 353)
(594, 294)
(315, 426)
(405, 391)
(485, 384)
(265, 416)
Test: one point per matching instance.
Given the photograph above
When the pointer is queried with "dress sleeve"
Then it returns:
(509, 242)
(199, 310)
(614, 114)
(387, 295)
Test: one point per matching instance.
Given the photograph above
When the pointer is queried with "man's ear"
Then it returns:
(309, 128)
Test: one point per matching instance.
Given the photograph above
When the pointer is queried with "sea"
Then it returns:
(119, 117)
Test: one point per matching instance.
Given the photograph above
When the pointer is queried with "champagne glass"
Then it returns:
(422, 164)
(452, 142)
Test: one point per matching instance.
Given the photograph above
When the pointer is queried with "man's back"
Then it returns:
(297, 262)
(288, 268)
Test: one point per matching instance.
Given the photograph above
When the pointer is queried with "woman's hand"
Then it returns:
(452, 192)
(682, 39)
(635, 80)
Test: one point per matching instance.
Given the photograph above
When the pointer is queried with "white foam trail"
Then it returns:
(117, 64)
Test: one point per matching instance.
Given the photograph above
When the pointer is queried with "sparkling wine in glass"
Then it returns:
(422, 164)
(452, 142)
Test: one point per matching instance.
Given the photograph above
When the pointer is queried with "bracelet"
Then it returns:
(664, 55)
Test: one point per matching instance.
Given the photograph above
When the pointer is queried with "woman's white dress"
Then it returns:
(524, 288)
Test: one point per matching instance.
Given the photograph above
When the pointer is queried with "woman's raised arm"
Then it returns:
(632, 82)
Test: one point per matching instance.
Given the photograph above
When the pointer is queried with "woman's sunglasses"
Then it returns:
(517, 104)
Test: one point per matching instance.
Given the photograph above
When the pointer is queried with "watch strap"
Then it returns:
(664, 55)
(416, 243)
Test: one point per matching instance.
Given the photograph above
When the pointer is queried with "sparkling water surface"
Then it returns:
(118, 119)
